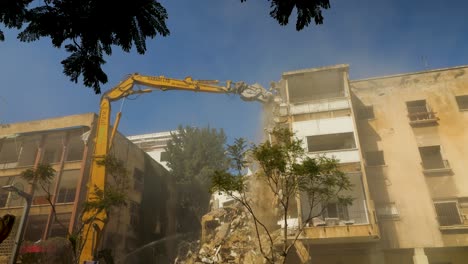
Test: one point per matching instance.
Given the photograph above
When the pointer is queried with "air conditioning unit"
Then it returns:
(318, 222)
(332, 221)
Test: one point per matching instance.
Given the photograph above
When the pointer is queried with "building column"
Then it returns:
(419, 256)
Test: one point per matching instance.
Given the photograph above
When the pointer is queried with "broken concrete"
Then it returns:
(228, 236)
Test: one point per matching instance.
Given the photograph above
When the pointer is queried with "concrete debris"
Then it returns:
(228, 236)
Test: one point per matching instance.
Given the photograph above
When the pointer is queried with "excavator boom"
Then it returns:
(103, 141)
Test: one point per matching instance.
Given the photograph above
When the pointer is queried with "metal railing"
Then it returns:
(448, 213)
(435, 164)
(420, 113)
(355, 214)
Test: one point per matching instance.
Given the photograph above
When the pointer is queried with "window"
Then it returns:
(66, 195)
(53, 148)
(366, 112)
(419, 110)
(164, 156)
(35, 228)
(9, 151)
(14, 199)
(29, 148)
(375, 158)
(462, 101)
(138, 180)
(75, 146)
(67, 189)
(431, 158)
(59, 227)
(447, 213)
(418, 106)
(331, 142)
(335, 210)
(4, 194)
(41, 196)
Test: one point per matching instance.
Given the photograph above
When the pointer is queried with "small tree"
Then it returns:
(113, 196)
(286, 172)
(193, 155)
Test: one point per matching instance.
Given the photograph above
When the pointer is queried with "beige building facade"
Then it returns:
(66, 143)
(403, 141)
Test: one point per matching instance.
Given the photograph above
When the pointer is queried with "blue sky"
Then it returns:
(225, 39)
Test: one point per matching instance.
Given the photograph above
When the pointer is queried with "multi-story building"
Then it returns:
(403, 141)
(66, 143)
(154, 144)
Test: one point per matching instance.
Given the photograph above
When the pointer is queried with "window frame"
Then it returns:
(427, 161)
(457, 206)
(308, 145)
(458, 98)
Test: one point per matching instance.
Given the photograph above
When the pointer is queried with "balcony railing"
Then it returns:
(421, 114)
(436, 166)
(353, 227)
(355, 217)
(355, 214)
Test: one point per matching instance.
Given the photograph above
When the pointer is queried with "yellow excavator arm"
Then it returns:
(103, 141)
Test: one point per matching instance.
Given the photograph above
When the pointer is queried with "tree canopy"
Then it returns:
(88, 29)
(285, 172)
(193, 155)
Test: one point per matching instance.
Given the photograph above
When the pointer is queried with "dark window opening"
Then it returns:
(366, 112)
(432, 158)
(335, 210)
(75, 147)
(44, 194)
(53, 148)
(10, 151)
(315, 86)
(35, 228)
(59, 227)
(67, 189)
(462, 102)
(15, 199)
(331, 142)
(66, 195)
(447, 213)
(29, 148)
(375, 158)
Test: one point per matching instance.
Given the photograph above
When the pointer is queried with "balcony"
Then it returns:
(347, 226)
(419, 114)
(436, 167)
(335, 223)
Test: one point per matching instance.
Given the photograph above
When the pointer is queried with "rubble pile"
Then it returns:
(228, 236)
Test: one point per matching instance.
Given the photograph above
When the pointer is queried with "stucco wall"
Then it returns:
(402, 180)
